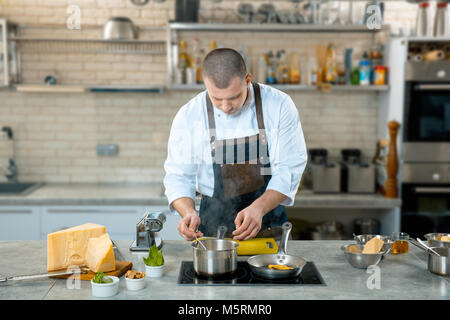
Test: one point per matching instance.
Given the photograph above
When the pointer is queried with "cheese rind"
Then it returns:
(373, 246)
(68, 247)
(100, 254)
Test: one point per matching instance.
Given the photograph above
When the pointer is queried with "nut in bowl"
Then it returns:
(135, 280)
(353, 254)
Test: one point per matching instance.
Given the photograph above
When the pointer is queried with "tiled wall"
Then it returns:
(56, 134)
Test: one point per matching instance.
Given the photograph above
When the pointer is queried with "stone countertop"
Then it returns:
(147, 194)
(403, 277)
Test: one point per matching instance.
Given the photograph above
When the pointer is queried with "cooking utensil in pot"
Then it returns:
(434, 239)
(219, 259)
(420, 244)
(259, 264)
(200, 242)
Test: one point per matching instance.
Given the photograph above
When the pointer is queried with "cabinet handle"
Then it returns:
(88, 211)
(431, 190)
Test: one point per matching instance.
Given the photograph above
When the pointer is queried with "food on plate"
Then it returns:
(279, 267)
(101, 278)
(354, 248)
(133, 274)
(373, 246)
(100, 254)
(68, 247)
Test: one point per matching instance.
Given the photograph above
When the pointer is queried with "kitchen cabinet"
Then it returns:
(35, 222)
(19, 223)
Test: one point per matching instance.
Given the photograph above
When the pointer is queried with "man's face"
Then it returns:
(230, 99)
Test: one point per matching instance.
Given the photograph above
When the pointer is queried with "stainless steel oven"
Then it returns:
(426, 148)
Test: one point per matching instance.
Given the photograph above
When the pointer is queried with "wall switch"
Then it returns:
(107, 150)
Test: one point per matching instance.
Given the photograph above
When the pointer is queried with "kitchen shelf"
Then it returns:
(59, 45)
(271, 27)
(92, 88)
(289, 87)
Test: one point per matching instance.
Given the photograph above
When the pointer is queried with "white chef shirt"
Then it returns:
(189, 162)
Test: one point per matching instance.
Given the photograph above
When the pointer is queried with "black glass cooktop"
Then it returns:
(245, 277)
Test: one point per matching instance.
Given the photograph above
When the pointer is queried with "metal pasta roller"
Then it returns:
(147, 231)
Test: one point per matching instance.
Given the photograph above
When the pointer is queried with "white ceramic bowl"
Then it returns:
(104, 290)
(154, 272)
(135, 284)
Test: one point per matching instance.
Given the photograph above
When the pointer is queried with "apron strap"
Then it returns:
(259, 117)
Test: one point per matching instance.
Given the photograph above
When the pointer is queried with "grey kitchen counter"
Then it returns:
(153, 194)
(403, 276)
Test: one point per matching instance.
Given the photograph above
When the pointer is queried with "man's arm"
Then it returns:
(190, 220)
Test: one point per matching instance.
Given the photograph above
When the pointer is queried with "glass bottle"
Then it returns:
(330, 66)
(294, 70)
(183, 61)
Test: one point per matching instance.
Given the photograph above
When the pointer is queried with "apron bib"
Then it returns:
(241, 174)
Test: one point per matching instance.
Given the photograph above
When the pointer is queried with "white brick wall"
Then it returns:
(56, 134)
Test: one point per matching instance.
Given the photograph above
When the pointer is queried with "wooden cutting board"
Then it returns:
(121, 268)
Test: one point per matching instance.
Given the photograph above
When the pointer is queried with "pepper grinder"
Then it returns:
(390, 185)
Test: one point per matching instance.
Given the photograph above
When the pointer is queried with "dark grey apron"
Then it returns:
(238, 165)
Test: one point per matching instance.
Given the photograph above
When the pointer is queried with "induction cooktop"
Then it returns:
(243, 276)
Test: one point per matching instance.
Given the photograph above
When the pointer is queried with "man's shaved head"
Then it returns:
(223, 65)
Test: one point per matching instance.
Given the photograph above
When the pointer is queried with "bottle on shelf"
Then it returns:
(330, 75)
(316, 72)
(364, 70)
(262, 69)
(355, 76)
(183, 63)
(271, 77)
(198, 61)
(294, 70)
(282, 69)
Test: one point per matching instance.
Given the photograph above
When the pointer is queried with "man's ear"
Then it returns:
(248, 78)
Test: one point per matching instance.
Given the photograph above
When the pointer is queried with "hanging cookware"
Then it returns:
(220, 257)
(260, 264)
(437, 263)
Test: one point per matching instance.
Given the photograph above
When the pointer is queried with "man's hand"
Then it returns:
(188, 225)
(248, 223)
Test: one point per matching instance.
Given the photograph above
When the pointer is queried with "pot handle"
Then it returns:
(286, 228)
(221, 230)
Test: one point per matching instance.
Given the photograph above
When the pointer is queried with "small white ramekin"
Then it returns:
(154, 272)
(135, 284)
(104, 290)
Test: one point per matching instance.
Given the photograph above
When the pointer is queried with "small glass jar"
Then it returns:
(380, 75)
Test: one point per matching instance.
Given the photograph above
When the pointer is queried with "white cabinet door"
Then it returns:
(19, 223)
(120, 222)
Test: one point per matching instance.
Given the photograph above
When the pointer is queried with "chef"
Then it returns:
(240, 145)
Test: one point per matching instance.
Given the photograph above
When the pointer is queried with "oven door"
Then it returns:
(428, 113)
(425, 208)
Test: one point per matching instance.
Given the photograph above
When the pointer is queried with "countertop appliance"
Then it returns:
(147, 231)
(357, 176)
(325, 173)
(426, 145)
(245, 277)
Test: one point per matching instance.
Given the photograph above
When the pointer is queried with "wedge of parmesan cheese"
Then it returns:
(373, 246)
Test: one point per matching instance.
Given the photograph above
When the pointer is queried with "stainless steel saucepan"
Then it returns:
(260, 264)
(438, 258)
(219, 258)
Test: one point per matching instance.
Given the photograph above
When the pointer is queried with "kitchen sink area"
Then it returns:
(18, 188)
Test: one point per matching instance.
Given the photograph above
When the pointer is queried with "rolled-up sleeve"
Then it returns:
(180, 165)
(288, 153)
